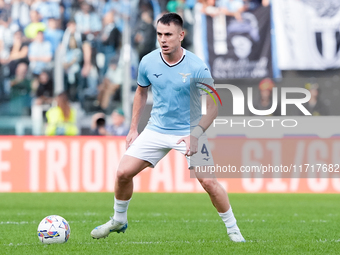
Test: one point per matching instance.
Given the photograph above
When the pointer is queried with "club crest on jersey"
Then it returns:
(184, 76)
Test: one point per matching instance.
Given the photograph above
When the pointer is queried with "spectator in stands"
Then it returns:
(5, 11)
(46, 9)
(112, 5)
(61, 119)
(89, 25)
(119, 8)
(265, 101)
(4, 71)
(64, 17)
(253, 4)
(163, 5)
(150, 6)
(232, 8)
(76, 6)
(98, 126)
(71, 34)
(20, 84)
(6, 28)
(40, 54)
(110, 38)
(315, 106)
(188, 22)
(18, 53)
(35, 26)
(20, 14)
(53, 34)
(20, 102)
(40, 57)
(89, 72)
(98, 5)
(72, 62)
(111, 84)
(7, 32)
(88, 22)
(209, 8)
(71, 31)
(45, 91)
(266, 2)
(4, 54)
(108, 27)
(94, 119)
(174, 5)
(145, 38)
(119, 126)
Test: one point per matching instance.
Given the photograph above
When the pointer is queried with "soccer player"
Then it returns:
(168, 70)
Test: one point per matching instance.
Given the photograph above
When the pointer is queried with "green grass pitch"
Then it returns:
(175, 224)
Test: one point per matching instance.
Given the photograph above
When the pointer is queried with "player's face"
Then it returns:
(169, 37)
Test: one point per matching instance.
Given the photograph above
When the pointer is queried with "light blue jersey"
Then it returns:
(176, 95)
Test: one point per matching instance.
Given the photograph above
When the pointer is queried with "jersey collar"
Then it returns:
(175, 64)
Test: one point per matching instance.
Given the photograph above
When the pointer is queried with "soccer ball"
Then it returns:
(53, 229)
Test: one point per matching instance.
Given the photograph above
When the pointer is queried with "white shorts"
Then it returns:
(152, 146)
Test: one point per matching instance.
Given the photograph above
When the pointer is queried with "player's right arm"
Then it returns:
(139, 103)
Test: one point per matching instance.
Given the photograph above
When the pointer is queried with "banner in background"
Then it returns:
(307, 34)
(240, 49)
(89, 164)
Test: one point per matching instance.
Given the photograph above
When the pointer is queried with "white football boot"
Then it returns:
(236, 236)
(104, 230)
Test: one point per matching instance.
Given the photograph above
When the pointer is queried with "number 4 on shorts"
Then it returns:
(204, 150)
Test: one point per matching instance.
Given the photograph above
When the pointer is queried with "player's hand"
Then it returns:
(132, 135)
(191, 143)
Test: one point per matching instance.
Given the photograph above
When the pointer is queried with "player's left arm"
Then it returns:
(204, 124)
(191, 141)
(212, 111)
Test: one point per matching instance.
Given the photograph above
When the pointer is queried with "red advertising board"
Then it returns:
(88, 164)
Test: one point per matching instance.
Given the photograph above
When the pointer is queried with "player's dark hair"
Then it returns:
(171, 17)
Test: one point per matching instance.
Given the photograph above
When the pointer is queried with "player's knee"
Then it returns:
(209, 185)
(123, 176)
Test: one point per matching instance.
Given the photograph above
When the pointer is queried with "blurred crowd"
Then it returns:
(231, 7)
(86, 37)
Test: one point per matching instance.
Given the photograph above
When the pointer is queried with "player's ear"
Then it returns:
(182, 34)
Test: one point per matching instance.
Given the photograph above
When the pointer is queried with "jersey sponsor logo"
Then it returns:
(184, 76)
(157, 75)
(206, 159)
